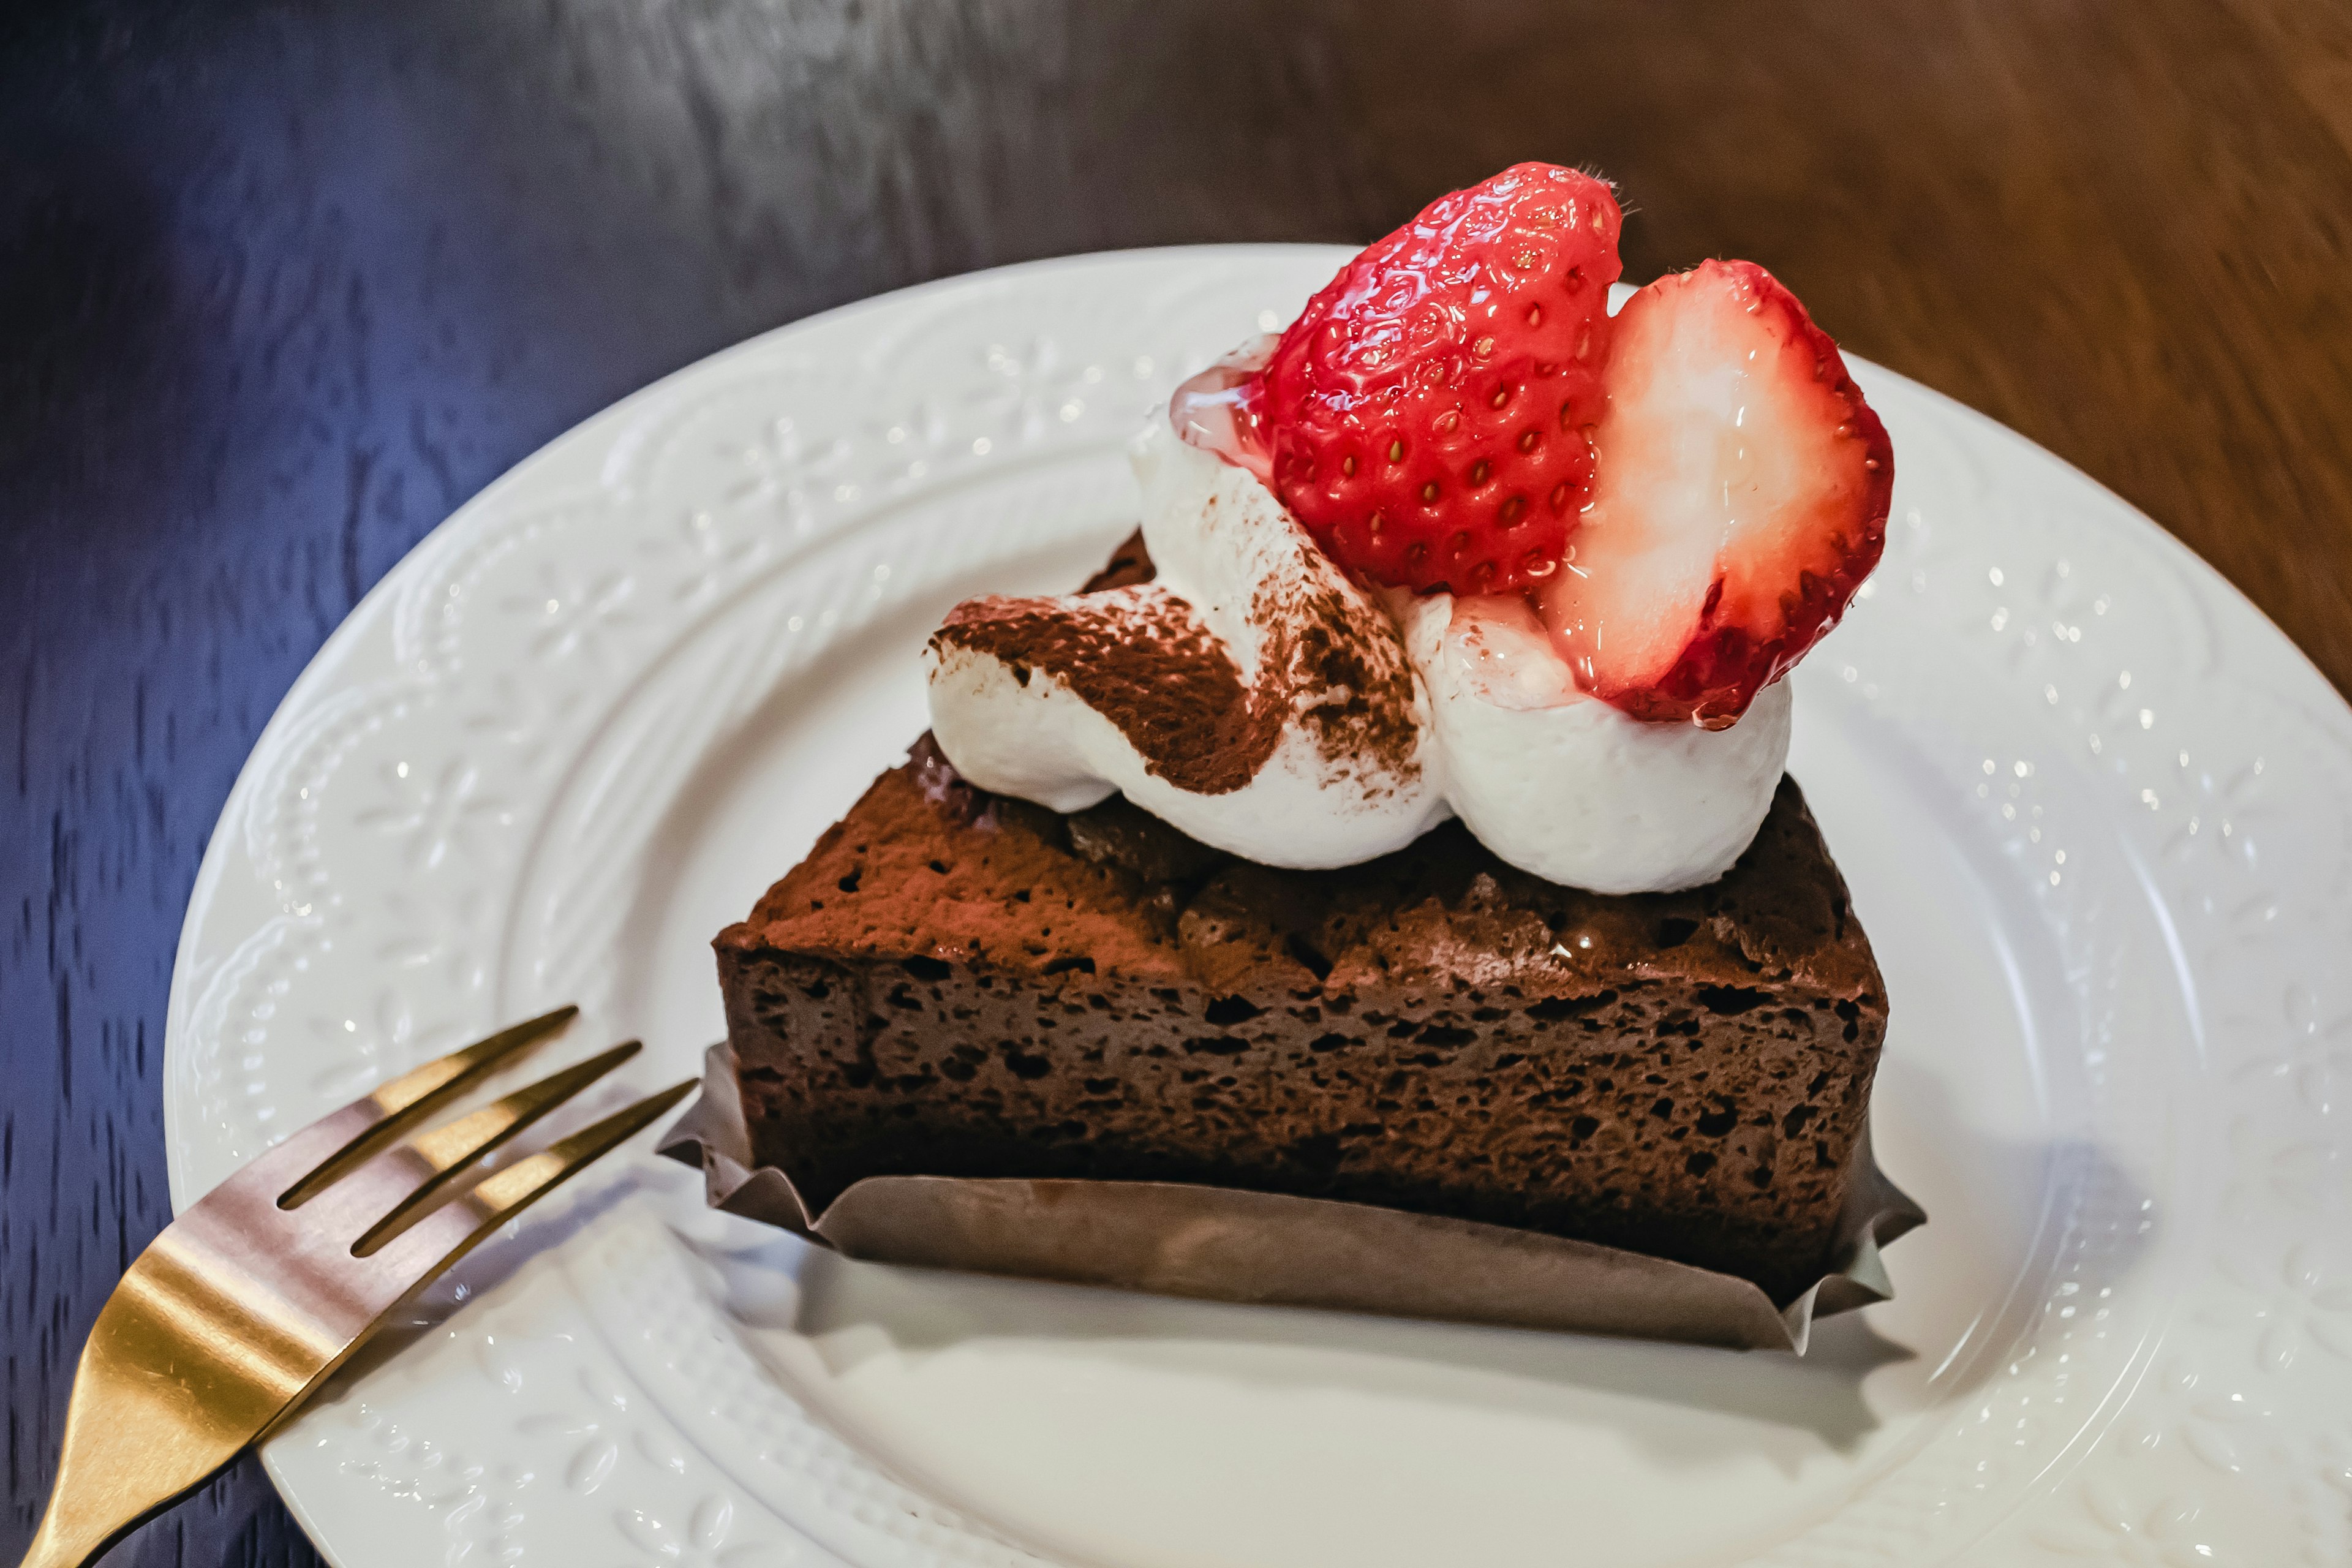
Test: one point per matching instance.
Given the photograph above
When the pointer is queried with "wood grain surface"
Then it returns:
(282, 285)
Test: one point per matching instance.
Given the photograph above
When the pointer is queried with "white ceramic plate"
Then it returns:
(2092, 805)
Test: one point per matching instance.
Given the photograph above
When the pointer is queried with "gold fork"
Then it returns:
(233, 1316)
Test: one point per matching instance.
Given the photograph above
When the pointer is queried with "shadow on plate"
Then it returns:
(1968, 1317)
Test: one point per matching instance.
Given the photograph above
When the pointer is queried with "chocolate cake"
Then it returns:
(959, 983)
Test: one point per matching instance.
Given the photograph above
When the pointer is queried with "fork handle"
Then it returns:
(143, 1427)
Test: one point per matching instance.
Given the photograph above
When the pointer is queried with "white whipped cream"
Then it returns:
(1231, 560)
(1556, 782)
(1568, 787)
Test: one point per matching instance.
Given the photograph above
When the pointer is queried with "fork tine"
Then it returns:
(505, 1195)
(407, 1100)
(452, 1149)
(447, 1234)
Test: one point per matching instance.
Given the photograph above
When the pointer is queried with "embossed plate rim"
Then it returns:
(541, 492)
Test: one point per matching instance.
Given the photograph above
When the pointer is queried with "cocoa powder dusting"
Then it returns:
(1137, 656)
(1140, 656)
(1362, 687)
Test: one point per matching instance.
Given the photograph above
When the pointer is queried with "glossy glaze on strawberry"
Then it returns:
(1739, 498)
(1688, 494)
(1424, 418)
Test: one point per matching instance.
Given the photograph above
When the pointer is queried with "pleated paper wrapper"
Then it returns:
(1224, 1243)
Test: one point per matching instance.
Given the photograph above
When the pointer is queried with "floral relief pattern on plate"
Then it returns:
(457, 814)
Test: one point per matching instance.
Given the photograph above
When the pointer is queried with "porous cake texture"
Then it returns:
(957, 984)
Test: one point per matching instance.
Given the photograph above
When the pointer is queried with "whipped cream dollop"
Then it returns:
(1570, 788)
(1256, 698)
(1251, 694)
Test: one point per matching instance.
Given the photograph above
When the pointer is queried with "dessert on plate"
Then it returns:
(1401, 818)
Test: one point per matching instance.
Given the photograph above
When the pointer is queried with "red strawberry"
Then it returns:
(1426, 411)
(1740, 498)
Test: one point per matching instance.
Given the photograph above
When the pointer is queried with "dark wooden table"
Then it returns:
(282, 285)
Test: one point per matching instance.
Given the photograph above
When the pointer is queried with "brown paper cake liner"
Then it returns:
(1223, 1244)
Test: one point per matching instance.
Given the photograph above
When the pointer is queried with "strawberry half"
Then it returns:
(1740, 498)
(1425, 415)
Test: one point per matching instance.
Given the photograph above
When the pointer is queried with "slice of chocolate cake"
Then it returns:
(958, 984)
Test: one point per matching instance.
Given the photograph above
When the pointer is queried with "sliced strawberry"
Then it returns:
(1426, 413)
(1740, 498)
